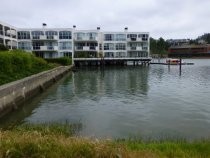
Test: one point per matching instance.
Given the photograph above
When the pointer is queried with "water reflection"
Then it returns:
(122, 102)
(110, 81)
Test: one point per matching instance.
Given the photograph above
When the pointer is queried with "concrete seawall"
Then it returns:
(17, 92)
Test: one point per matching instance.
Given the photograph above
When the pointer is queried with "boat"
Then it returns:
(173, 61)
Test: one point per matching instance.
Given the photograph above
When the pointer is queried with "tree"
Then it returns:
(159, 46)
(153, 46)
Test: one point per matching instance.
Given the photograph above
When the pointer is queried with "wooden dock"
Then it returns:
(156, 63)
(111, 61)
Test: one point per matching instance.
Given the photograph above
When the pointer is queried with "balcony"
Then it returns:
(45, 48)
(11, 43)
(139, 39)
(11, 32)
(86, 38)
(44, 37)
(86, 48)
(134, 48)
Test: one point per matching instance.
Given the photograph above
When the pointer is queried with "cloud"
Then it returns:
(162, 18)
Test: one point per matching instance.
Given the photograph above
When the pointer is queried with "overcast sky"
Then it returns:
(162, 18)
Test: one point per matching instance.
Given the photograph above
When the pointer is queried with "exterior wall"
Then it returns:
(47, 43)
(15, 93)
(86, 43)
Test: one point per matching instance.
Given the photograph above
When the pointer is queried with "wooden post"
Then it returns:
(180, 66)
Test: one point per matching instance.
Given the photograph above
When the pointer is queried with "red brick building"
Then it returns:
(202, 50)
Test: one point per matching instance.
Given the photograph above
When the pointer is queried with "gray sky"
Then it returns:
(162, 18)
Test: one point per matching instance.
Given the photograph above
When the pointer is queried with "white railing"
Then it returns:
(134, 48)
(86, 48)
(11, 32)
(86, 38)
(45, 37)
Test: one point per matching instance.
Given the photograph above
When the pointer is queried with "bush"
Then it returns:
(60, 61)
(3, 48)
(18, 64)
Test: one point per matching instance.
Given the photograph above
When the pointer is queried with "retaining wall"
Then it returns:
(17, 92)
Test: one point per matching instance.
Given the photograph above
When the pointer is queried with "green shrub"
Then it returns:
(18, 64)
(60, 61)
(3, 48)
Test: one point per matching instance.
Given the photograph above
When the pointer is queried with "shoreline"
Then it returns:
(56, 141)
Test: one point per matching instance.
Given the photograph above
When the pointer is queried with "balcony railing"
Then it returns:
(86, 38)
(139, 39)
(86, 48)
(44, 37)
(11, 32)
(45, 48)
(65, 48)
(134, 48)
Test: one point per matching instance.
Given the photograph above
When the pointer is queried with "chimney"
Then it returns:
(126, 29)
(44, 25)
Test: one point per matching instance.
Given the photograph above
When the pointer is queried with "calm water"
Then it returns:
(148, 102)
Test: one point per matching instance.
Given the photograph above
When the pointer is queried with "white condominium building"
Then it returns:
(59, 42)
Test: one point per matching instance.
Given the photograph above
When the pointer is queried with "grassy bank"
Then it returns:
(56, 141)
(18, 64)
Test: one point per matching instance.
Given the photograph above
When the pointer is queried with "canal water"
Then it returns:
(152, 102)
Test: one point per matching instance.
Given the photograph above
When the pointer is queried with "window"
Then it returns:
(65, 35)
(120, 46)
(120, 37)
(145, 48)
(36, 45)
(100, 46)
(51, 34)
(24, 45)
(23, 35)
(120, 54)
(108, 46)
(80, 36)
(132, 36)
(65, 45)
(1, 30)
(37, 34)
(108, 37)
(1, 41)
(109, 54)
(92, 35)
(145, 37)
(67, 54)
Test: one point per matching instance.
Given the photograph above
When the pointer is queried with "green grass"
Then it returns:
(61, 61)
(18, 64)
(54, 140)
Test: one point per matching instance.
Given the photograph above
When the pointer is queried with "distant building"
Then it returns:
(178, 42)
(58, 42)
(202, 50)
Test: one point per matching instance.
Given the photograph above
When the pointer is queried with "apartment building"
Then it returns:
(58, 42)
